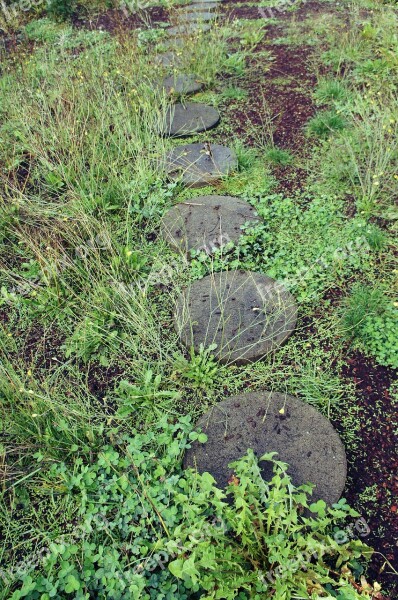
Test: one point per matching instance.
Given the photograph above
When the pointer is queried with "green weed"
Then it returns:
(177, 529)
(330, 90)
(278, 156)
(325, 123)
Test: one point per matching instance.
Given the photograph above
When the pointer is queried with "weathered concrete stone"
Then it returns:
(177, 42)
(189, 118)
(181, 84)
(168, 59)
(196, 17)
(246, 314)
(271, 422)
(200, 164)
(206, 222)
(187, 29)
(202, 5)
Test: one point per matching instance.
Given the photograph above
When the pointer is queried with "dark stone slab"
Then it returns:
(181, 84)
(272, 422)
(246, 314)
(189, 118)
(206, 222)
(175, 42)
(168, 59)
(200, 164)
(202, 5)
(196, 17)
(187, 29)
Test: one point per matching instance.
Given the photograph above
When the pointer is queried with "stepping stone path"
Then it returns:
(187, 119)
(206, 222)
(246, 314)
(200, 164)
(181, 84)
(272, 422)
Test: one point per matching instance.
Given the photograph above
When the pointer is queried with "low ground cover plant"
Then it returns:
(142, 528)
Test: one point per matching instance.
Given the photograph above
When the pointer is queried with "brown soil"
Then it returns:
(375, 463)
(287, 87)
(117, 20)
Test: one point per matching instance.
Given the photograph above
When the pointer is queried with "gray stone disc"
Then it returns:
(271, 422)
(175, 42)
(181, 84)
(202, 5)
(206, 222)
(200, 164)
(187, 29)
(189, 118)
(196, 17)
(168, 59)
(246, 314)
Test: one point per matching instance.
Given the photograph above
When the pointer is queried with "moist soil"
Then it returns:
(375, 464)
(118, 21)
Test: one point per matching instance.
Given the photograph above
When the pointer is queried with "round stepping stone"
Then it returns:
(272, 422)
(181, 84)
(187, 119)
(187, 29)
(247, 315)
(200, 164)
(202, 5)
(175, 42)
(206, 222)
(196, 16)
(168, 59)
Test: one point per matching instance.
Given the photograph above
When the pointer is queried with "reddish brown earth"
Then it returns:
(117, 20)
(375, 463)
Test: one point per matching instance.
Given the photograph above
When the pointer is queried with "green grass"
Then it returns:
(278, 156)
(325, 123)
